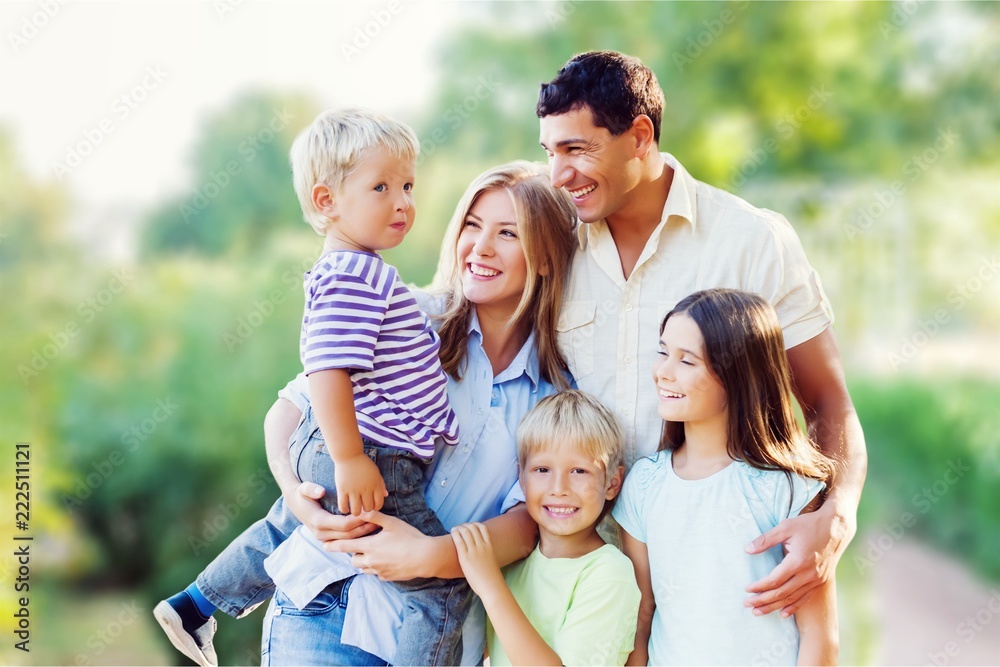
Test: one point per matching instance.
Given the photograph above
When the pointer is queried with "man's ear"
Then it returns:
(645, 135)
(615, 483)
(323, 200)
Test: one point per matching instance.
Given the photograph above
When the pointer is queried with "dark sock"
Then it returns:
(191, 616)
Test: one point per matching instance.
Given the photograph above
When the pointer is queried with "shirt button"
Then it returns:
(444, 482)
(628, 307)
(465, 449)
(628, 360)
(626, 411)
(479, 410)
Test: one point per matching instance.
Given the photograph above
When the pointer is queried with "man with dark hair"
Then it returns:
(652, 235)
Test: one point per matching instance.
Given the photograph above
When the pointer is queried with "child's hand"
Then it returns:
(476, 556)
(359, 485)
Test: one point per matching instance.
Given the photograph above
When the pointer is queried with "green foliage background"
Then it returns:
(207, 319)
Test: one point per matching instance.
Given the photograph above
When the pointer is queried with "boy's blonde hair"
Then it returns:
(331, 147)
(576, 418)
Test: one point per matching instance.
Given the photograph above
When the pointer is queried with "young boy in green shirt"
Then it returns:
(574, 600)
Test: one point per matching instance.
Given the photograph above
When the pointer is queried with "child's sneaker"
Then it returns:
(187, 628)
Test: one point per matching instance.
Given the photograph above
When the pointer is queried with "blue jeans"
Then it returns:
(311, 636)
(434, 609)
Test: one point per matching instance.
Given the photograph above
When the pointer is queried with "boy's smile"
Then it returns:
(565, 491)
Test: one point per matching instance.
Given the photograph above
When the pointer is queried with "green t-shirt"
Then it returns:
(584, 608)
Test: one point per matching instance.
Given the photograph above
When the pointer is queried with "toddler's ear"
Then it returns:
(615, 483)
(323, 200)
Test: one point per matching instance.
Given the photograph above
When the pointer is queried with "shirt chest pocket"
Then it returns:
(575, 333)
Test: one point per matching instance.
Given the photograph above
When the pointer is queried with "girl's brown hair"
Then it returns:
(545, 219)
(745, 351)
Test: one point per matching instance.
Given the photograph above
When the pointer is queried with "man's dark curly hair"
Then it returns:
(615, 87)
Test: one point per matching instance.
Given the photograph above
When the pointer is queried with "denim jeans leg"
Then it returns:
(311, 636)
(434, 609)
(235, 581)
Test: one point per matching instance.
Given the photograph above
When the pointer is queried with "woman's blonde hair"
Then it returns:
(333, 144)
(545, 220)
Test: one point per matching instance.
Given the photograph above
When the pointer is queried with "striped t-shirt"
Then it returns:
(361, 317)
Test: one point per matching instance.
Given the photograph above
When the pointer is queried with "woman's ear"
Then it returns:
(615, 483)
(543, 269)
(323, 200)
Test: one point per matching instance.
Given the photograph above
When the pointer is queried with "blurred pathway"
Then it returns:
(932, 610)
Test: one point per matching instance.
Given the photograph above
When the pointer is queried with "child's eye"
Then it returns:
(380, 187)
(408, 187)
(580, 471)
(542, 469)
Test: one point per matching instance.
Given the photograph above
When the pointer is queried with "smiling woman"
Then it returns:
(493, 266)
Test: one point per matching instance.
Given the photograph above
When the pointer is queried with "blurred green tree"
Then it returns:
(241, 188)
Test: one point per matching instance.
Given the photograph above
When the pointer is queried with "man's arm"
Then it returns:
(814, 542)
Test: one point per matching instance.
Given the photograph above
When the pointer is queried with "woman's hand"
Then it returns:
(304, 504)
(479, 562)
(399, 552)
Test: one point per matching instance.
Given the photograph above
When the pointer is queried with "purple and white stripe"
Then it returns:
(361, 317)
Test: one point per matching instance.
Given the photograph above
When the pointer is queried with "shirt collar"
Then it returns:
(525, 363)
(681, 203)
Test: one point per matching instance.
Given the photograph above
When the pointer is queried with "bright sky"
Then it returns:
(64, 70)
